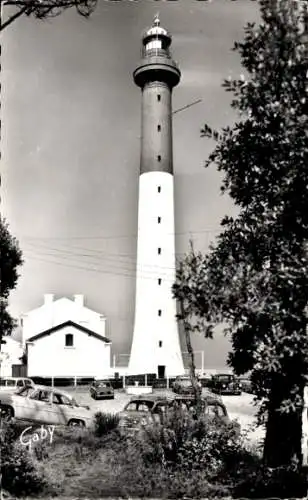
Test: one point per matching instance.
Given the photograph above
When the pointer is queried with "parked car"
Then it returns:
(183, 385)
(144, 410)
(246, 384)
(10, 384)
(101, 389)
(44, 405)
(225, 383)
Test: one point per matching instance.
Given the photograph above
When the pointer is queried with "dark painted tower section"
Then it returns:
(156, 74)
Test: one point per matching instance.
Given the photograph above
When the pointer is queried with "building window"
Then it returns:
(159, 250)
(159, 220)
(158, 97)
(69, 340)
(158, 189)
(159, 312)
(160, 343)
(158, 128)
(159, 281)
(158, 158)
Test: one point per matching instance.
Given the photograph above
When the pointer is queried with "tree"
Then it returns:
(255, 277)
(10, 260)
(42, 9)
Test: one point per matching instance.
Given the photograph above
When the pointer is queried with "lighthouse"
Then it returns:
(155, 344)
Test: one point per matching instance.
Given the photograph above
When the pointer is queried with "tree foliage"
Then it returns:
(255, 277)
(42, 9)
(10, 260)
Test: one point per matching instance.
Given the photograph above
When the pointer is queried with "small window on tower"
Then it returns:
(159, 250)
(158, 189)
(158, 97)
(158, 128)
(160, 343)
(158, 158)
(159, 220)
(159, 281)
(159, 312)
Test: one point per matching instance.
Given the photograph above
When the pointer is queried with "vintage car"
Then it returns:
(144, 410)
(225, 383)
(101, 389)
(44, 405)
(10, 384)
(183, 385)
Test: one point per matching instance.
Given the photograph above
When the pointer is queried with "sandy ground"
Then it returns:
(240, 408)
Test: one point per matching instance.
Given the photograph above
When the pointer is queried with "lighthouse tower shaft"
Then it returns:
(155, 344)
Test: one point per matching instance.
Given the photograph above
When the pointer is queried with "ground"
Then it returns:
(239, 407)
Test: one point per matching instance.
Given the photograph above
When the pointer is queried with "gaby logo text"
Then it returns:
(30, 435)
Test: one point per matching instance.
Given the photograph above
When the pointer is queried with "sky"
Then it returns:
(71, 144)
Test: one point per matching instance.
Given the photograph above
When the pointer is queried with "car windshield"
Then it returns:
(7, 383)
(185, 381)
(224, 378)
(139, 406)
(101, 383)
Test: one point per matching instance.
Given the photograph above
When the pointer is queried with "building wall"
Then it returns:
(55, 312)
(48, 356)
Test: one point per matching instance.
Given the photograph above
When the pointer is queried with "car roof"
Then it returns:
(175, 397)
(53, 389)
(152, 397)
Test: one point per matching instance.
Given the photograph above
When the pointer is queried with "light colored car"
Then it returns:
(45, 405)
(183, 385)
(10, 384)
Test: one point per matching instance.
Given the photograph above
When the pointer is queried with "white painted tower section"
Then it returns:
(155, 345)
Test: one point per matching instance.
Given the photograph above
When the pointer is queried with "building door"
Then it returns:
(161, 371)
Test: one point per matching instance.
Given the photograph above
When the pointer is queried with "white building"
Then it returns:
(63, 338)
(10, 355)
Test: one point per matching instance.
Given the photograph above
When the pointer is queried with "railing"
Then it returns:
(155, 52)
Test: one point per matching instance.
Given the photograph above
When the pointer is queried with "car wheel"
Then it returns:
(76, 423)
(7, 413)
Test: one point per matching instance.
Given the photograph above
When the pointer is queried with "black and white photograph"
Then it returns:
(153, 249)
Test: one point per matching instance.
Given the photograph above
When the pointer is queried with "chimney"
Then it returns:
(48, 299)
(79, 300)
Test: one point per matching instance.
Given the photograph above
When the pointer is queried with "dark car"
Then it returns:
(183, 385)
(225, 383)
(144, 410)
(101, 389)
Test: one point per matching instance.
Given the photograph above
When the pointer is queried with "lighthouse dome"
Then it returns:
(157, 31)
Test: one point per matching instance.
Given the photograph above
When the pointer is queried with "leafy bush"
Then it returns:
(19, 474)
(190, 444)
(104, 423)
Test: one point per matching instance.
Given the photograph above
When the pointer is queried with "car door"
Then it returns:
(64, 410)
(39, 407)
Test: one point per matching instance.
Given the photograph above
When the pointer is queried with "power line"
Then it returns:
(121, 259)
(125, 272)
(183, 233)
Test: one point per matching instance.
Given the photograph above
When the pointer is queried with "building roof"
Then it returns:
(53, 329)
